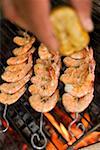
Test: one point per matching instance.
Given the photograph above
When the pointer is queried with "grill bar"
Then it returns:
(81, 138)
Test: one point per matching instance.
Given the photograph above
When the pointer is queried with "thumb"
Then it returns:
(83, 8)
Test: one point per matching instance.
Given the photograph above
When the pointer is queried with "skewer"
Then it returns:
(78, 125)
(4, 116)
(37, 136)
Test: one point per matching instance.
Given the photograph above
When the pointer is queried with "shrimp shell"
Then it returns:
(80, 55)
(13, 68)
(45, 87)
(40, 69)
(18, 75)
(75, 75)
(44, 52)
(74, 104)
(21, 40)
(79, 90)
(74, 61)
(24, 49)
(40, 80)
(46, 79)
(10, 99)
(44, 104)
(19, 59)
(11, 88)
(71, 62)
(46, 84)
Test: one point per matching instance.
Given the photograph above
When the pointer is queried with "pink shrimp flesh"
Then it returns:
(44, 104)
(12, 88)
(10, 99)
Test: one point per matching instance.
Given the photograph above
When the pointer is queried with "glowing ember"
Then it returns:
(50, 146)
(86, 120)
(65, 132)
(91, 138)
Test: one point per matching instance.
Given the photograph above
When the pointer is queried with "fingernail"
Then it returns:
(88, 24)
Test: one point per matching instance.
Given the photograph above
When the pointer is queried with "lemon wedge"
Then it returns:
(68, 30)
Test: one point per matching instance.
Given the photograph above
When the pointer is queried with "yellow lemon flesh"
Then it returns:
(68, 30)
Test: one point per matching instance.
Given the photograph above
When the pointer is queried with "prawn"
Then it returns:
(24, 49)
(44, 52)
(46, 84)
(75, 104)
(74, 75)
(10, 99)
(18, 75)
(44, 68)
(13, 68)
(41, 70)
(71, 62)
(48, 89)
(80, 55)
(12, 88)
(74, 61)
(21, 40)
(56, 66)
(19, 59)
(45, 87)
(44, 62)
(44, 104)
(48, 64)
(40, 80)
(79, 90)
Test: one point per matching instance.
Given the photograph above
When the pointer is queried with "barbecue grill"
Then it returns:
(25, 121)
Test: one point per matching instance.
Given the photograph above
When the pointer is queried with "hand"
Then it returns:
(33, 15)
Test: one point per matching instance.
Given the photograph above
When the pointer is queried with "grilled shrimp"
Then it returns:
(10, 99)
(80, 55)
(45, 87)
(45, 68)
(46, 71)
(13, 68)
(75, 104)
(24, 49)
(44, 104)
(21, 41)
(56, 66)
(46, 84)
(41, 70)
(79, 90)
(19, 59)
(18, 75)
(44, 62)
(48, 89)
(74, 75)
(12, 88)
(74, 61)
(46, 79)
(40, 80)
(43, 52)
(71, 62)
